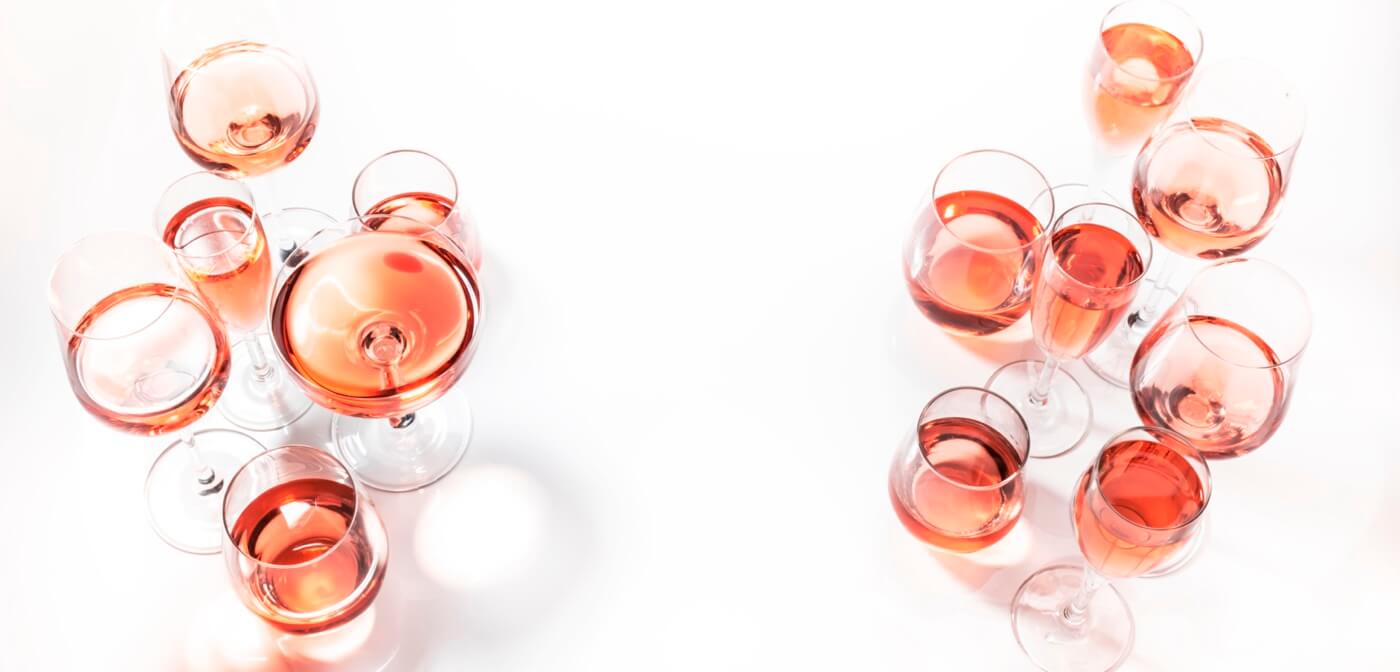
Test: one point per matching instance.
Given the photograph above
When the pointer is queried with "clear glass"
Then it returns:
(1220, 365)
(304, 546)
(972, 254)
(146, 355)
(1209, 183)
(289, 228)
(422, 187)
(377, 325)
(1137, 508)
(957, 484)
(210, 223)
(1095, 258)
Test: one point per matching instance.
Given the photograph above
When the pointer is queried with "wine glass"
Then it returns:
(1209, 183)
(957, 484)
(211, 225)
(304, 546)
(1095, 257)
(289, 228)
(974, 248)
(241, 104)
(421, 187)
(1136, 508)
(146, 355)
(1220, 366)
(375, 325)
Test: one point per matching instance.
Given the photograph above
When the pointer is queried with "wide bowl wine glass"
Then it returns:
(1095, 257)
(240, 102)
(1209, 183)
(1137, 507)
(376, 325)
(423, 189)
(304, 546)
(974, 248)
(957, 484)
(1220, 366)
(146, 355)
(211, 224)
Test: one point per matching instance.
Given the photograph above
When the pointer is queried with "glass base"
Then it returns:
(1112, 360)
(409, 457)
(1102, 642)
(260, 405)
(1062, 422)
(185, 502)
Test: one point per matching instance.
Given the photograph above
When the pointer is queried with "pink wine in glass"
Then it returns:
(1135, 79)
(315, 568)
(224, 252)
(1135, 519)
(378, 323)
(244, 108)
(1086, 287)
(963, 498)
(422, 211)
(1211, 380)
(1207, 188)
(148, 359)
(971, 268)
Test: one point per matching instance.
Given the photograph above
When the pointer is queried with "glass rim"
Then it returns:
(91, 238)
(355, 487)
(254, 217)
(1288, 89)
(1054, 258)
(1207, 486)
(1305, 305)
(933, 203)
(1024, 459)
(1195, 27)
(451, 176)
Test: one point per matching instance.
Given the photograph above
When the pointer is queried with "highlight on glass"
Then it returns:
(975, 245)
(304, 546)
(957, 484)
(1096, 256)
(423, 191)
(1136, 509)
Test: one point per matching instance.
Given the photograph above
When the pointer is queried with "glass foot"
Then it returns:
(1100, 643)
(1185, 555)
(1062, 422)
(1113, 359)
(184, 500)
(408, 457)
(260, 405)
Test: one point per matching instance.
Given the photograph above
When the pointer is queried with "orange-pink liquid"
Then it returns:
(221, 245)
(1084, 289)
(1134, 81)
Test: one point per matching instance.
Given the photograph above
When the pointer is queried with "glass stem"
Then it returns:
(206, 481)
(1076, 612)
(401, 421)
(1151, 307)
(262, 366)
(1040, 392)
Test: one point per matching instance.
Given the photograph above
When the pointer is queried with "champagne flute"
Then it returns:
(423, 189)
(1095, 257)
(375, 325)
(1220, 366)
(303, 544)
(146, 355)
(1137, 507)
(1209, 183)
(211, 225)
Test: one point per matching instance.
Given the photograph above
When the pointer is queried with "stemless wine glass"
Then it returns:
(211, 225)
(375, 325)
(421, 187)
(1209, 183)
(1136, 508)
(957, 484)
(973, 252)
(240, 103)
(146, 355)
(1096, 255)
(304, 546)
(1221, 364)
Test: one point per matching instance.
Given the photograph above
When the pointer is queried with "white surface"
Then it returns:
(701, 353)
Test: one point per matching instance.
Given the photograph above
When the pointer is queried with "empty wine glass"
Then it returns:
(421, 188)
(146, 355)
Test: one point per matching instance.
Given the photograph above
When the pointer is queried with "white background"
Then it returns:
(701, 354)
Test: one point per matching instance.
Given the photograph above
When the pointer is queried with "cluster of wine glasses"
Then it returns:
(261, 313)
(1210, 373)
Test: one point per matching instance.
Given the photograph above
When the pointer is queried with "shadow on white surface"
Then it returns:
(921, 343)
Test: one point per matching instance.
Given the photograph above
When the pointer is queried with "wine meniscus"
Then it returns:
(1085, 288)
(221, 245)
(1135, 77)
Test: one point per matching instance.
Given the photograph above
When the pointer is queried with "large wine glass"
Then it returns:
(376, 325)
(146, 355)
(423, 189)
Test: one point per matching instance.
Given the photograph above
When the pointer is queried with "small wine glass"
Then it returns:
(210, 223)
(1096, 256)
(146, 355)
(421, 187)
(304, 546)
(1137, 507)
